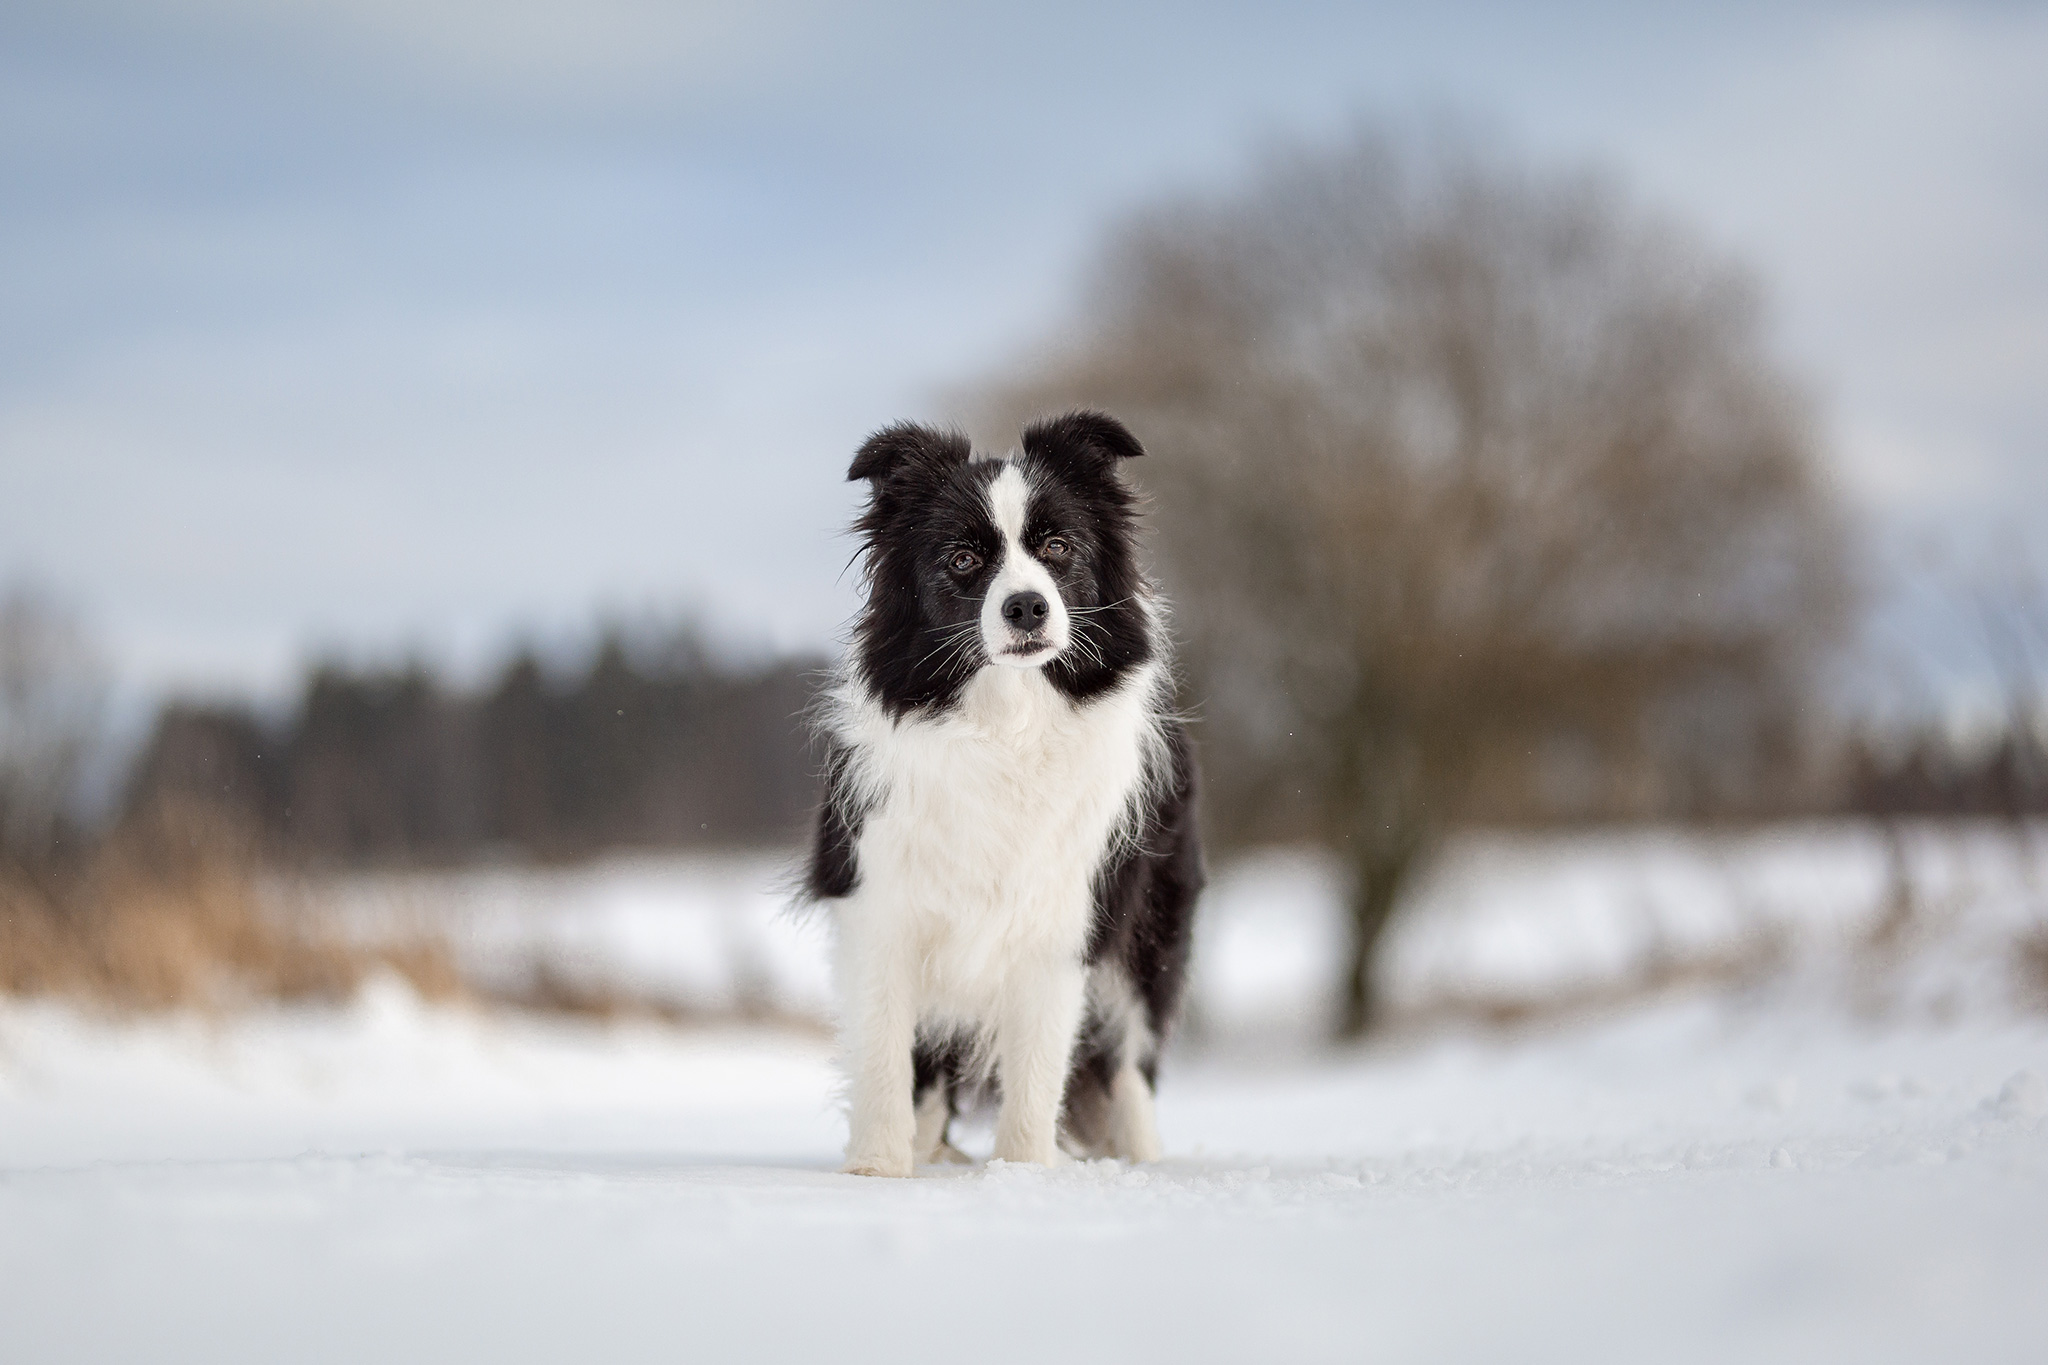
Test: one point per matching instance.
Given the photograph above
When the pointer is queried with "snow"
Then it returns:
(1770, 1173)
(1502, 916)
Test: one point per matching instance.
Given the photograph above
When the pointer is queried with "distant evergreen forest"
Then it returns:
(645, 747)
(671, 745)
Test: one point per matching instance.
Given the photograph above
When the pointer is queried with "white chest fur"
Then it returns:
(984, 828)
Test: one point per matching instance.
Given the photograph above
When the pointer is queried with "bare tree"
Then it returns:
(2012, 620)
(1479, 493)
(51, 691)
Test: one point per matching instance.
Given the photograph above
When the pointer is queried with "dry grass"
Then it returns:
(172, 911)
(179, 910)
(547, 989)
(1750, 959)
(550, 990)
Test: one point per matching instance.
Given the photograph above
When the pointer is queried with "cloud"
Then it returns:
(524, 50)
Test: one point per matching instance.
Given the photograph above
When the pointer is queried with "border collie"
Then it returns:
(1007, 837)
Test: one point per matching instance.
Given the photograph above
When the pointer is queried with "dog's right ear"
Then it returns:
(905, 446)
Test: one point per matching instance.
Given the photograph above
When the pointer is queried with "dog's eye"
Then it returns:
(964, 562)
(1057, 547)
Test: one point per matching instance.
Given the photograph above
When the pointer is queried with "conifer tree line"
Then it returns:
(663, 745)
(644, 747)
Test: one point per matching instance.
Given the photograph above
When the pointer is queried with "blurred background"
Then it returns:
(1599, 457)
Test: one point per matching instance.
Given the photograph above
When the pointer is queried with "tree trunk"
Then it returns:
(1378, 876)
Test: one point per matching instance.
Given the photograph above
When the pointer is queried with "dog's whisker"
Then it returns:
(962, 650)
(1085, 645)
(952, 640)
(958, 646)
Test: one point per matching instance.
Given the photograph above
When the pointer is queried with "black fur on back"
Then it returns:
(831, 872)
(1144, 923)
(1142, 897)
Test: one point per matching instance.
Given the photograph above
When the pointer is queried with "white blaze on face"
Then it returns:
(1009, 498)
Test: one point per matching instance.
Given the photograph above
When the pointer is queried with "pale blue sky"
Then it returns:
(388, 326)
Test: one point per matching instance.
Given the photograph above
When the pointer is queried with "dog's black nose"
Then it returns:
(1026, 611)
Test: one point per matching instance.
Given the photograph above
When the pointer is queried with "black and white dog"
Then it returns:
(1007, 837)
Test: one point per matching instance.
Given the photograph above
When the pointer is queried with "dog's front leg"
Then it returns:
(878, 1028)
(1035, 1033)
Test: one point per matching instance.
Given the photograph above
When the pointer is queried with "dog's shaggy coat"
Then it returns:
(1007, 837)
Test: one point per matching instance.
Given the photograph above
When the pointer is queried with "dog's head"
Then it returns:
(977, 561)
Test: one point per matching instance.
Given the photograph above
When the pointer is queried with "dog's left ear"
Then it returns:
(1093, 439)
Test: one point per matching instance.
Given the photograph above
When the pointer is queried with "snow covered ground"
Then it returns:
(1504, 917)
(1801, 1169)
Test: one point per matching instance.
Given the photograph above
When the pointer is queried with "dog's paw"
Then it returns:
(946, 1154)
(876, 1165)
(1048, 1155)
